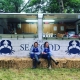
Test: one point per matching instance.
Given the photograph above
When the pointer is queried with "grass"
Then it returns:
(40, 74)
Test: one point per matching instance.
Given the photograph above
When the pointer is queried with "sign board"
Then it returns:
(21, 47)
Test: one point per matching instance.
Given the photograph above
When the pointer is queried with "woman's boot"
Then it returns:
(49, 64)
(34, 64)
(54, 61)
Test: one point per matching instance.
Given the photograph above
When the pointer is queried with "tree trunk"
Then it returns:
(61, 6)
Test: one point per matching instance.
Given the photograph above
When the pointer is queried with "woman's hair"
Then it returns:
(45, 44)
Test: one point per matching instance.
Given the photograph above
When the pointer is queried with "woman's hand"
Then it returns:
(43, 53)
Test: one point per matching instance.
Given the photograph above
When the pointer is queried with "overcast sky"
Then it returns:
(26, 0)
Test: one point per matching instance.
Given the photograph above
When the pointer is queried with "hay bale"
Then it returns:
(43, 63)
(62, 63)
(20, 63)
(73, 63)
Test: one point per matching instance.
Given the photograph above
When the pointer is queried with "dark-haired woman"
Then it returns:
(35, 52)
(46, 54)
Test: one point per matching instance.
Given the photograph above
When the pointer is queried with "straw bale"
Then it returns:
(20, 63)
(43, 64)
(73, 63)
(61, 64)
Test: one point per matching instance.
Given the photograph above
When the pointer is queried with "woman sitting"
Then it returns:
(35, 52)
(46, 54)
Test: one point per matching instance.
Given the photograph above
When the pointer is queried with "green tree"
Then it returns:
(53, 6)
(72, 6)
(37, 5)
(33, 6)
(12, 5)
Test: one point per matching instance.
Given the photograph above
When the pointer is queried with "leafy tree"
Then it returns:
(33, 6)
(12, 5)
(72, 6)
(37, 5)
(52, 6)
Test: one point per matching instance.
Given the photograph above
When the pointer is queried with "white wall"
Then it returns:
(22, 47)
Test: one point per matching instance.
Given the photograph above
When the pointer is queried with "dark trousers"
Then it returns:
(35, 58)
(48, 57)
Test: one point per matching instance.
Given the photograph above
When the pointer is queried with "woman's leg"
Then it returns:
(34, 60)
(49, 61)
(54, 60)
(34, 64)
(47, 56)
(37, 58)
